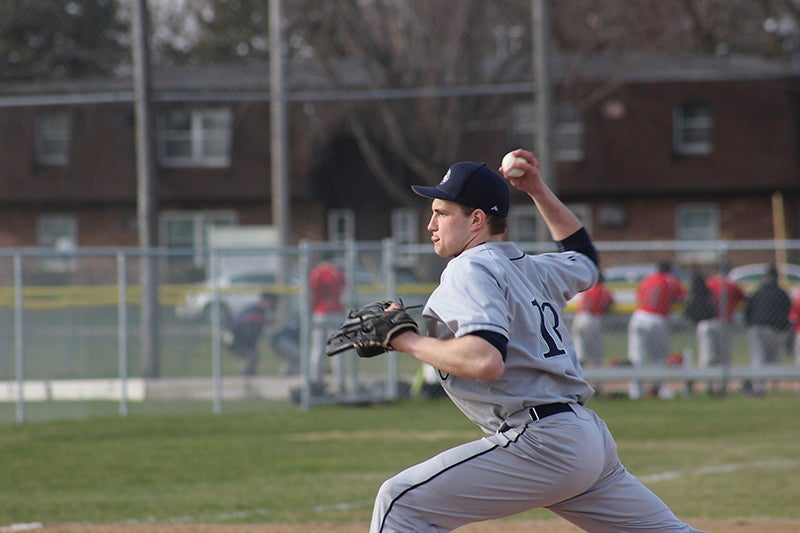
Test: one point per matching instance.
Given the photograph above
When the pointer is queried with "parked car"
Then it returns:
(369, 287)
(242, 288)
(236, 291)
(749, 277)
(623, 280)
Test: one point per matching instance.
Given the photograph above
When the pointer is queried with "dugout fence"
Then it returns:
(70, 324)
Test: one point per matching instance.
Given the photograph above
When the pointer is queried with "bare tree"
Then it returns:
(428, 58)
(436, 67)
(54, 39)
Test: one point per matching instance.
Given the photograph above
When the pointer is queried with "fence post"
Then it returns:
(389, 251)
(349, 361)
(18, 340)
(726, 329)
(122, 330)
(216, 335)
(305, 324)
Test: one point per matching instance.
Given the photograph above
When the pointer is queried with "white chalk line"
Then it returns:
(720, 469)
(770, 464)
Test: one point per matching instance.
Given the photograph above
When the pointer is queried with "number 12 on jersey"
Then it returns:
(550, 321)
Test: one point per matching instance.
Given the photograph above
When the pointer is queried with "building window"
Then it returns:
(405, 230)
(524, 223)
(692, 129)
(188, 230)
(195, 138)
(52, 133)
(584, 214)
(341, 225)
(611, 215)
(569, 134)
(697, 222)
(509, 40)
(59, 233)
(567, 130)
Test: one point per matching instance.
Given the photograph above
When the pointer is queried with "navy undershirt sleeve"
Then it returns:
(495, 339)
(581, 242)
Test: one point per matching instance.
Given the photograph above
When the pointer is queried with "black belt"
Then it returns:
(542, 411)
(534, 414)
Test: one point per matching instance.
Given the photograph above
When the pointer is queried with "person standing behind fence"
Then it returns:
(327, 284)
(648, 329)
(245, 330)
(794, 319)
(714, 332)
(587, 327)
(767, 318)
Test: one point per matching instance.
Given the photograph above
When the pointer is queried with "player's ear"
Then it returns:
(478, 218)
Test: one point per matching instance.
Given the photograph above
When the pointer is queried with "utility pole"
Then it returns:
(279, 134)
(543, 97)
(146, 196)
(542, 68)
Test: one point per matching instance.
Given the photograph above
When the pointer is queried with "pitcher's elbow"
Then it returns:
(493, 369)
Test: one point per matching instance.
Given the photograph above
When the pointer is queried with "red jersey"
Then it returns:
(596, 300)
(733, 295)
(327, 283)
(658, 291)
(794, 312)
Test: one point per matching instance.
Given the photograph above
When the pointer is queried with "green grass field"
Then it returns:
(271, 462)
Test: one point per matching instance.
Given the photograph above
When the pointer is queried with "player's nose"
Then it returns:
(432, 224)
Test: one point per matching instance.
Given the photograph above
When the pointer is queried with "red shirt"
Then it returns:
(733, 295)
(327, 283)
(596, 300)
(794, 312)
(658, 291)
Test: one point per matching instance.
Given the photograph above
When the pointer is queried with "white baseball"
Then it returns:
(509, 160)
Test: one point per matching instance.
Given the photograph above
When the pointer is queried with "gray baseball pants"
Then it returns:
(566, 462)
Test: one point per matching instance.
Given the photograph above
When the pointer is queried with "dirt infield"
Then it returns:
(750, 525)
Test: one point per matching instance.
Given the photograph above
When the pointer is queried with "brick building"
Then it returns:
(664, 148)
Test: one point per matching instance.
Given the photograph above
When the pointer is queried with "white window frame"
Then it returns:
(509, 40)
(684, 231)
(405, 230)
(52, 137)
(59, 232)
(568, 130)
(584, 214)
(200, 222)
(341, 225)
(569, 135)
(692, 129)
(524, 223)
(206, 126)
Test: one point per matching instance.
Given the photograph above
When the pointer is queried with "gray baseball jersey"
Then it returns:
(497, 287)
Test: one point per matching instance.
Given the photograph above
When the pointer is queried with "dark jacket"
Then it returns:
(768, 306)
(699, 303)
(247, 326)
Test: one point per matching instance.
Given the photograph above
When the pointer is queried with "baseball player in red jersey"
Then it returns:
(327, 284)
(587, 327)
(495, 335)
(713, 335)
(794, 318)
(648, 329)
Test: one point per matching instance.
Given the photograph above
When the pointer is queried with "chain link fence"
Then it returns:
(74, 337)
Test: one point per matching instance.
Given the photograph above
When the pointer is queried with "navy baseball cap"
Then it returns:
(472, 184)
